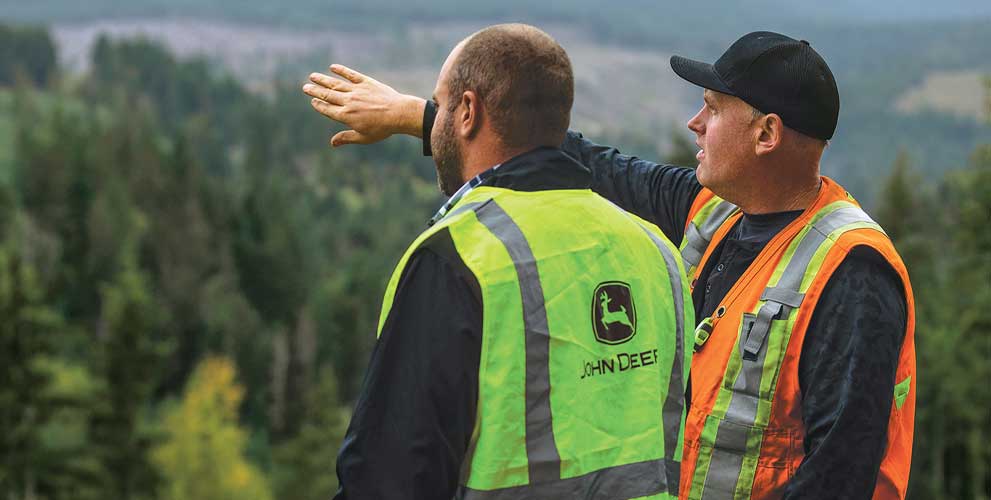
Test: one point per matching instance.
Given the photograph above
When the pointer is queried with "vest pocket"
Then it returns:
(740, 458)
(777, 449)
(776, 464)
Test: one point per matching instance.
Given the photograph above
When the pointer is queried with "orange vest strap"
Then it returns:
(699, 233)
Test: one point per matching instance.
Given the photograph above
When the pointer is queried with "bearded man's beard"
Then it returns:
(447, 156)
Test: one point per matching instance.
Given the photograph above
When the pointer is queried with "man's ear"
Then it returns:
(770, 131)
(469, 114)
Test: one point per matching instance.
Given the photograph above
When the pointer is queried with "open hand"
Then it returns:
(372, 109)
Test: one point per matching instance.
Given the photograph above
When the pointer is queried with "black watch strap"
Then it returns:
(429, 113)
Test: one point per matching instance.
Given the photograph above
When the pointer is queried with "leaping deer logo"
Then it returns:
(608, 316)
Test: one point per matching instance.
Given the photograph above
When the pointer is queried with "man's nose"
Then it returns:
(695, 124)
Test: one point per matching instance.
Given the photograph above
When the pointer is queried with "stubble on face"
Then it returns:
(447, 156)
(723, 132)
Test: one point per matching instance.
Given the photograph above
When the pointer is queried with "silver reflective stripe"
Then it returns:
(695, 246)
(543, 460)
(791, 278)
(731, 436)
(787, 297)
(463, 208)
(674, 405)
(730, 445)
(698, 238)
(613, 483)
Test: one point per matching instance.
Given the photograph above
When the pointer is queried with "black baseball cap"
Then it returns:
(775, 74)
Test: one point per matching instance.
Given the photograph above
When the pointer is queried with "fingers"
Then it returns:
(330, 82)
(352, 75)
(323, 93)
(347, 137)
(331, 111)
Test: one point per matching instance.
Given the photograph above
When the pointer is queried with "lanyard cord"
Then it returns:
(461, 193)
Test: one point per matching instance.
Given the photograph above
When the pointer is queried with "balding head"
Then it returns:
(524, 80)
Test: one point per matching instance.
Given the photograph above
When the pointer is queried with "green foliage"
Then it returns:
(266, 237)
(682, 151)
(904, 207)
(947, 250)
(6, 137)
(302, 465)
(160, 215)
(27, 327)
(26, 53)
(131, 356)
(65, 438)
(185, 98)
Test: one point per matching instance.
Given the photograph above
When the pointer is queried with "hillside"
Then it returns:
(894, 61)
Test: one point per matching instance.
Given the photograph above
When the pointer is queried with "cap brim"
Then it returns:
(699, 73)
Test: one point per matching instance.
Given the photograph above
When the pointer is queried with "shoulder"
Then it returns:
(865, 280)
(862, 268)
(438, 254)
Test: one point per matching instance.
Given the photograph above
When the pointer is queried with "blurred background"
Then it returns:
(190, 276)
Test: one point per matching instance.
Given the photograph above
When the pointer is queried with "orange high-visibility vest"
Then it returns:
(744, 432)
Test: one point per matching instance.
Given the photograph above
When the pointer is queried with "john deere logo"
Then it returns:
(614, 317)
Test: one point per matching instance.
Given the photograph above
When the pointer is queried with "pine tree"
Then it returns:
(947, 250)
(26, 52)
(27, 327)
(969, 299)
(304, 465)
(275, 253)
(131, 356)
(907, 216)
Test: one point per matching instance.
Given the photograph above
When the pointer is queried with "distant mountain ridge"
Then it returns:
(637, 15)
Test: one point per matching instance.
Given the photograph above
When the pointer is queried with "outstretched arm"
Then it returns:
(660, 194)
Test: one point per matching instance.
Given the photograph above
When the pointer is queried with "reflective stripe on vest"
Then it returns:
(700, 230)
(620, 482)
(729, 471)
(674, 405)
(543, 460)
